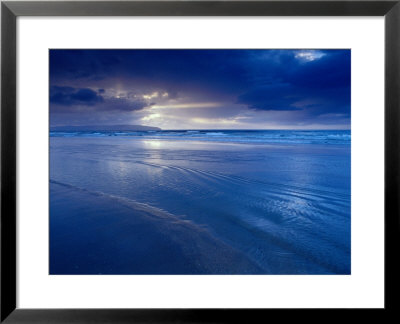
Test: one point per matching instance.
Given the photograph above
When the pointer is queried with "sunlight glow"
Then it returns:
(152, 143)
(151, 117)
(214, 121)
(188, 105)
(151, 95)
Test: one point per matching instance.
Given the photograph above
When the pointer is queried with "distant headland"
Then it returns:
(103, 128)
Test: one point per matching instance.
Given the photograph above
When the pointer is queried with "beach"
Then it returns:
(210, 202)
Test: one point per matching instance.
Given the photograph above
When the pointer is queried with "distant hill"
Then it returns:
(103, 128)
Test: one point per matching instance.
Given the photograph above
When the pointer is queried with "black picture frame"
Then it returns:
(10, 10)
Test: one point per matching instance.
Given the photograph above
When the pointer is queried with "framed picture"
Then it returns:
(187, 161)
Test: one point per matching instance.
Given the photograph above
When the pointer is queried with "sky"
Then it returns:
(201, 89)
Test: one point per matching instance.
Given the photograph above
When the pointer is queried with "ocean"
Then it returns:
(200, 202)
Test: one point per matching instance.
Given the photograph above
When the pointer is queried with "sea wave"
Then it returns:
(336, 137)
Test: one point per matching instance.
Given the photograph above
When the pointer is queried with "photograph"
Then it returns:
(200, 161)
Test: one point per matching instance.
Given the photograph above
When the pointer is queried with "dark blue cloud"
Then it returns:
(333, 70)
(68, 96)
(124, 104)
(62, 99)
(173, 70)
(316, 82)
(277, 96)
(318, 86)
(77, 64)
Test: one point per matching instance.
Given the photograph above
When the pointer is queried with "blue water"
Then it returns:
(338, 137)
(200, 202)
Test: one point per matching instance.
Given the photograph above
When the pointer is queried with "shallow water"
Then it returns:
(178, 204)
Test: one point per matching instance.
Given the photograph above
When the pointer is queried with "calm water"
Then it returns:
(200, 202)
